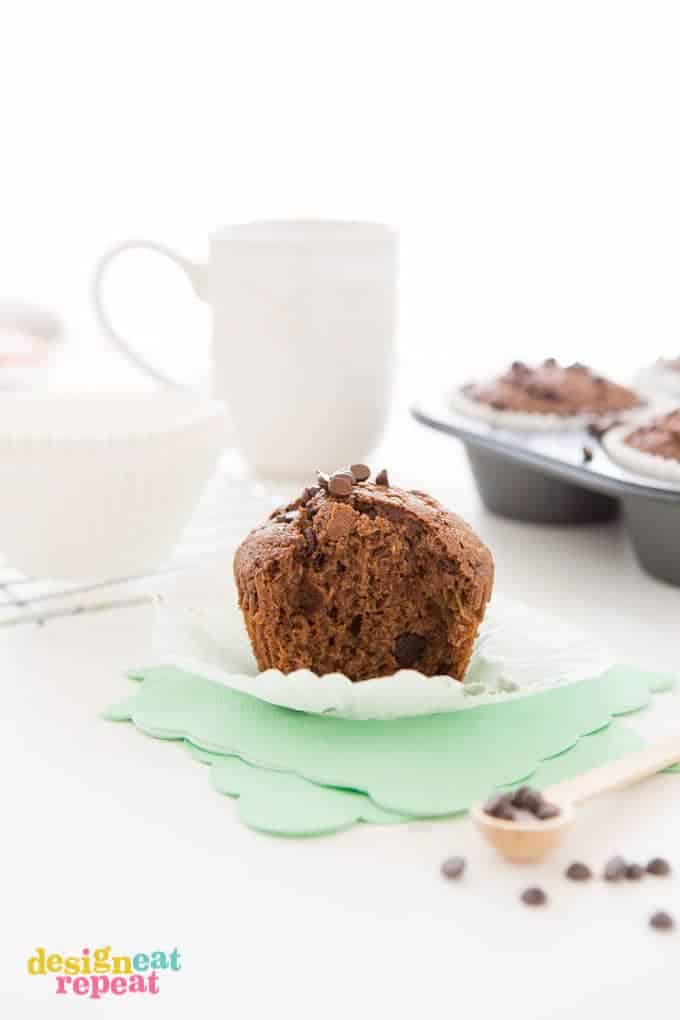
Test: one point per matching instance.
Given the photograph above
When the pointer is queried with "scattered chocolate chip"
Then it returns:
(550, 362)
(498, 405)
(519, 367)
(361, 472)
(615, 869)
(545, 811)
(659, 866)
(310, 539)
(578, 872)
(588, 454)
(453, 867)
(533, 897)
(324, 480)
(635, 872)
(500, 806)
(578, 366)
(599, 380)
(662, 921)
(408, 648)
(381, 478)
(341, 483)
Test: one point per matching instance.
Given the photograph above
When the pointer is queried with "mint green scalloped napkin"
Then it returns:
(283, 804)
(418, 767)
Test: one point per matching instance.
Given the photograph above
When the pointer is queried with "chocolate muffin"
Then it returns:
(549, 389)
(650, 448)
(364, 579)
(660, 437)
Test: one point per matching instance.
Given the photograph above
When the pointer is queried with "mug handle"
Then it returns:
(197, 277)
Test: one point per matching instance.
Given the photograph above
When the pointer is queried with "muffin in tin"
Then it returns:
(650, 448)
(545, 396)
(363, 579)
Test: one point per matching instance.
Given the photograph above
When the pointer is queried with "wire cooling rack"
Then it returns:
(230, 506)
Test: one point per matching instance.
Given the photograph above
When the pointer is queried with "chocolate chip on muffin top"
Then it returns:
(550, 388)
(660, 437)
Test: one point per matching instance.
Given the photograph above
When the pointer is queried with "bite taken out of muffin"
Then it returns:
(363, 578)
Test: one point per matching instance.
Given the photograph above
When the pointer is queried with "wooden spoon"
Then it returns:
(532, 839)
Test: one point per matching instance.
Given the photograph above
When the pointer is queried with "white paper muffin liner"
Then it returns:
(101, 485)
(650, 465)
(658, 379)
(519, 651)
(527, 421)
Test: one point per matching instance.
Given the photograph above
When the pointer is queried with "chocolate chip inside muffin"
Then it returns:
(363, 582)
(550, 388)
(660, 437)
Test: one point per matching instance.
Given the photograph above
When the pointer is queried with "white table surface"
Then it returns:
(110, 837)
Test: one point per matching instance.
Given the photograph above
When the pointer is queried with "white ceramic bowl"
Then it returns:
(101, 485)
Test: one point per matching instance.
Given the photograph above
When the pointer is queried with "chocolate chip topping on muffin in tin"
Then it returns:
(660, 437)
(363, 579)
(650, 448)
(551, 389)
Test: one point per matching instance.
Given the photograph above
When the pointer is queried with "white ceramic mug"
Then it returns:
(303, 336)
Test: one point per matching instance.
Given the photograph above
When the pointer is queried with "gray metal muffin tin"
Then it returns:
(541, 477)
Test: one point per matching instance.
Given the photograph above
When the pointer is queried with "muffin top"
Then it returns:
(345, 502)
(660, 437)
(550, 388)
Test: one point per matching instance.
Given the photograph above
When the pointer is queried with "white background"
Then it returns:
(529, 155)
(528, 152)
